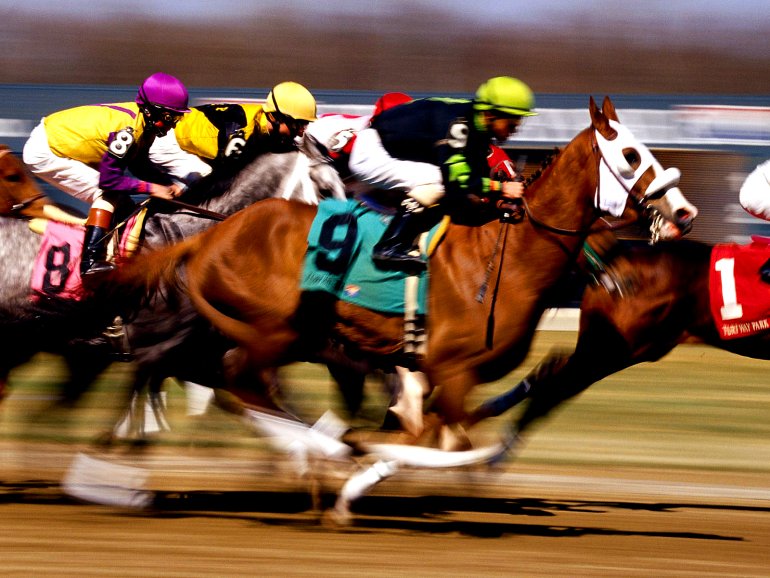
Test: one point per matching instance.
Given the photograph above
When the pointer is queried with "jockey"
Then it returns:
(86, 151)
(446, 143)
(337, 132)
(754, 197)
(213, 134)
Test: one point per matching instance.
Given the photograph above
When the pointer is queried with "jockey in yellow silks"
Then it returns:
(87, 152)
(220, 133)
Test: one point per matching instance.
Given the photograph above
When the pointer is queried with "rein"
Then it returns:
(26, 202)
(186, 206)
(193, 208)
(602, 225)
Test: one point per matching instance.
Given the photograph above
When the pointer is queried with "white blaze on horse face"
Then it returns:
(613, 154)
(617, 177)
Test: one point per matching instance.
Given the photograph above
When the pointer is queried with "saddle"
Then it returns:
(56, 271)
(338, 261)
(740, 299)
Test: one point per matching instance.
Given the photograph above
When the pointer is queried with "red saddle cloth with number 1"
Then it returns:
(740, 300)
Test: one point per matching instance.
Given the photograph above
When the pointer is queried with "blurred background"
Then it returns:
(692, 80)
(558, 46)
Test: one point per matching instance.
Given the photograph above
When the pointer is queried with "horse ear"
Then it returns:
(609, 109)
(601, 121)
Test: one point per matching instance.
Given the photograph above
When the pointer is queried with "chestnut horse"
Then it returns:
(658, 297)
(305, 175)
(243, 275)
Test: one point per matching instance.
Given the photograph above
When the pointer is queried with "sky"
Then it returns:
(738, 13)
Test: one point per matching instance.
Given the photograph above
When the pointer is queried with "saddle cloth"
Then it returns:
(338, 259)
(740, 300)
(56, 271)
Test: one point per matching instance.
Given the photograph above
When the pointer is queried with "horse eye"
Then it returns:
(13, 177)
(632, 158)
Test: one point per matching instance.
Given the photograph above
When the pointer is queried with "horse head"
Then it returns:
(19, 194)
(321, 170)
(630, 174)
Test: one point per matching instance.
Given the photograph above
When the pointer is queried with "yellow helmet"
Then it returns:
(293, 100)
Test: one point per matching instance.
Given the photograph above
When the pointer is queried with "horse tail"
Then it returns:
(139, 279)
(255, 294)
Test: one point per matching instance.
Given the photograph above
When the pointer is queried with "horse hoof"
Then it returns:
(337, 518)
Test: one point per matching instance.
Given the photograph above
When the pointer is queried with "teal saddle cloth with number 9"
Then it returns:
(339, 259)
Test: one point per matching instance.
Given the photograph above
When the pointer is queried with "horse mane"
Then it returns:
(546, 162)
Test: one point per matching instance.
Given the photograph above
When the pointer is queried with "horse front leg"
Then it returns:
(601, 350)
(448, 409)
(501, 403)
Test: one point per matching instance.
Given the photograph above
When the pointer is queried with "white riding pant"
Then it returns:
(755, 192)
(166, 153)
(372, 164)
(71, 176)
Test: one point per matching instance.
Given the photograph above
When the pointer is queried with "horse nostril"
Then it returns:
(684, 219)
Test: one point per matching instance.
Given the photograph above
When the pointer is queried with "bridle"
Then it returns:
(639, 200)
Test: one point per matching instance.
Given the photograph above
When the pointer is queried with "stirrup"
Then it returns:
(98, 268)
(392, 257)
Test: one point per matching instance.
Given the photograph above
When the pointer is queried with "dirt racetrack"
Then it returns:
(661, 471)
(522, 521)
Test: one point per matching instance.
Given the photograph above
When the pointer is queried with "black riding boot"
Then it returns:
(94, 259)
(396, 249)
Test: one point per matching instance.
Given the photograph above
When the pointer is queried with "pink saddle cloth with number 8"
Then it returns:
(56, 271)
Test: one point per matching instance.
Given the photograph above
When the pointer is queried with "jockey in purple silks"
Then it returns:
(87, 151)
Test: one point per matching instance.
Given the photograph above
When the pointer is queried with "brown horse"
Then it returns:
(657, 298)
(243, 275)
(19, 194)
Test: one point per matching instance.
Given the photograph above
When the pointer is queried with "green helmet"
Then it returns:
(507, 95)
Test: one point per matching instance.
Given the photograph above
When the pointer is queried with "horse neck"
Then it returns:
(270, 175)
(283, 175)
(519, 264)
(563, 196)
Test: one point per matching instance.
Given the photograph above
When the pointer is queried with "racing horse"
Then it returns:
(47, 325)
(653, 298)
(247, 287)
(19, 195)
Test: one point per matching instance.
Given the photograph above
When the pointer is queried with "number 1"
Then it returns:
(731, 308)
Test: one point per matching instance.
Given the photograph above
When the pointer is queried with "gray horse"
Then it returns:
(69, 328)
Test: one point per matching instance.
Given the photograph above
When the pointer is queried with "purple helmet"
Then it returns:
(165, 91)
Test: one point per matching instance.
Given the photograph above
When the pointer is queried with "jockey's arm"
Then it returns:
(166, 153)
(755, 192)
(372, 164)
(113, 177)
(463, 179)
